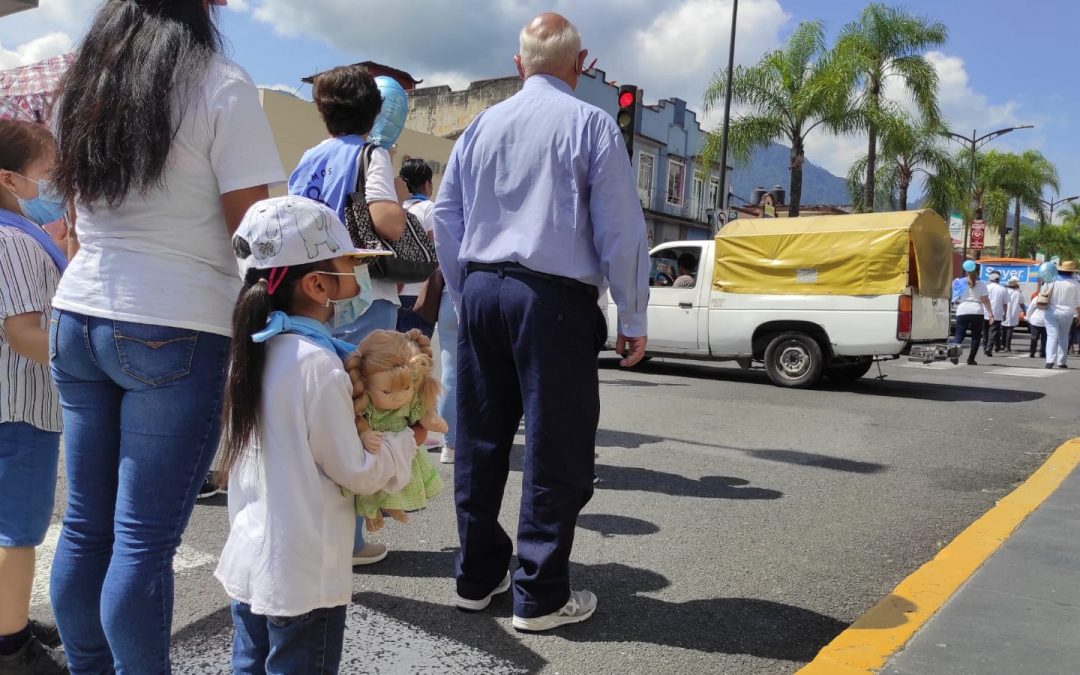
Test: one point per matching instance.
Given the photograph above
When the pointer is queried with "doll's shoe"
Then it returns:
(477, 605)
(370, 554)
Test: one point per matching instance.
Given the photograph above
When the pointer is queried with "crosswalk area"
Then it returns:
(1007, 365)
(374, 642)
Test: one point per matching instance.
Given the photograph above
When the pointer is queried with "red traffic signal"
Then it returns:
(626, 117)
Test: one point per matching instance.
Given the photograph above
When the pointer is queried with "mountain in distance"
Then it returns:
(768, 166)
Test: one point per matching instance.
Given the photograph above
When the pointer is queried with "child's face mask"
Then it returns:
(348, 310)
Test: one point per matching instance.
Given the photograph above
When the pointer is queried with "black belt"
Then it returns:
(516, 269)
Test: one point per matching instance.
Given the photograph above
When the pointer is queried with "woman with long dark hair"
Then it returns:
(163, 146)
(972, 300)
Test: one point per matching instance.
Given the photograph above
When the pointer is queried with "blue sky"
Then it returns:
(1006, 62)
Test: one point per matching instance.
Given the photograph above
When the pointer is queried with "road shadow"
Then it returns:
(612, 526)
(867, 386)
(946, 393)
(641, 383)
(750, 626)
(631, 440)
(418, 564)
(711, 487)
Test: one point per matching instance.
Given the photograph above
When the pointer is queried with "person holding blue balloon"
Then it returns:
(1061, 300)
(972, 300)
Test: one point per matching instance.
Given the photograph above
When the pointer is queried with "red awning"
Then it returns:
(26, 92)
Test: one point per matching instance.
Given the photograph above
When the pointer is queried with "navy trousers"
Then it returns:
(527, 346)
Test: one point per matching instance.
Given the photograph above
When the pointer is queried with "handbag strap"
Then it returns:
(363, 160)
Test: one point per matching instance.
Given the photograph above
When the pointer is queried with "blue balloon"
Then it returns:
(391, 119)
(969, 265)
(1048, 272)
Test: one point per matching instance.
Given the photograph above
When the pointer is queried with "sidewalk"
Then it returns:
(1020, 612)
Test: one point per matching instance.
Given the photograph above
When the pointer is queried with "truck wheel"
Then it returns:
(794, 360)
(851, 371)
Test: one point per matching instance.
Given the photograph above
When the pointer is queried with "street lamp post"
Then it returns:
(727, 107)
(975, 142)
(1054, 204)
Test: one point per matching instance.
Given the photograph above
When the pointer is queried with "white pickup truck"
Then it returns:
(808, 297)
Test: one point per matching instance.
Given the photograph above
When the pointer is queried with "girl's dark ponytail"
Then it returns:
(247, 359)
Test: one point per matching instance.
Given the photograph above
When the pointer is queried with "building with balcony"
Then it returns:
(12, 6)
(679, 194)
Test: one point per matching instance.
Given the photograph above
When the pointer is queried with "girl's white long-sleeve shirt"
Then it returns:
(291, 530)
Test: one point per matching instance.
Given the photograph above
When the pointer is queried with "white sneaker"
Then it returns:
(370, 554)
(477, 605)
(580, 607)
(447, 455)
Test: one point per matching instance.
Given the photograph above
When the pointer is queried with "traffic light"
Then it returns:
(628, 100)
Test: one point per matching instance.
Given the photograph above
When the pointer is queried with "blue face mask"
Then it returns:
(347, 311)
(46, 208)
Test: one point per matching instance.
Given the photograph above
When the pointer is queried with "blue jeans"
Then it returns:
(279, 645)
(142, 409)
(1058, 325)
(382, 315)
(448, 338)
(28, 458)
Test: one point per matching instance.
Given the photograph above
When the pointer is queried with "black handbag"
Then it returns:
(414, 256)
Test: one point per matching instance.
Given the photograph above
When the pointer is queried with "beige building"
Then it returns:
(13, 6)
(297, 127)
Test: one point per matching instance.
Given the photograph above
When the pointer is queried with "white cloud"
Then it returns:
(46, 46)
(670, 48)
(963, 108)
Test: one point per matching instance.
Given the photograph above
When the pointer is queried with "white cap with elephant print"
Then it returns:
(290, 230)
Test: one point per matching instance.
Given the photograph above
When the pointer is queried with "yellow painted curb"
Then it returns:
(869, 642)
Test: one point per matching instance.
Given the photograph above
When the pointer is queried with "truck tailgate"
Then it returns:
(930, 318)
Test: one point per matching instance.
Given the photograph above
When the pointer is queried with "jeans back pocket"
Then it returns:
(154, 355)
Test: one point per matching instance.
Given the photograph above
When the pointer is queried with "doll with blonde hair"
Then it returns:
(393, 389)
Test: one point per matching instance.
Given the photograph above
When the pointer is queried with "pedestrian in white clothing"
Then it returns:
(999, 298)
(1014, 306)
(1061, 310)
(291, 441)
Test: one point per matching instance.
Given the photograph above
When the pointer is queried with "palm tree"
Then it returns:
(886, 42)
(790, 92)
(1072, 216)
(907, 150)
(1023, 177)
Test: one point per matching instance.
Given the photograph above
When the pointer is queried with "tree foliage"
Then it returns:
(887, 43)
(789, 93)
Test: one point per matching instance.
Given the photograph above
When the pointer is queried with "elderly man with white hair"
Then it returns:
(536, 212)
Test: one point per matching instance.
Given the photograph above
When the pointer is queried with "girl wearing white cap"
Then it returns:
(291, 442)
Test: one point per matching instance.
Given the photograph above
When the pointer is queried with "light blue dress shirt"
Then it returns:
(543, 180)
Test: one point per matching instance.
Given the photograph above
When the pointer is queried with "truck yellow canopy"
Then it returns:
(859, 254)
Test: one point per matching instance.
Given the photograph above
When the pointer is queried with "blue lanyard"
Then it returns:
(280, 322)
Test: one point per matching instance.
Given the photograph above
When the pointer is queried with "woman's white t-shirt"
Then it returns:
(971, 299)
(291, 529)
(423, 209)
(165, 258)
(1065, 296)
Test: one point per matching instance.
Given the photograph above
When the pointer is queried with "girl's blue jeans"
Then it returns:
(142, 409)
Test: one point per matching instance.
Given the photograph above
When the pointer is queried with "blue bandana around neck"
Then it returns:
(35, 232)
(419, 197)
(280, 322)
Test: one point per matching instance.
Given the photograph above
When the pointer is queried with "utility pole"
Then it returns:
(1055, 204)
(975, 142)
(727, 111)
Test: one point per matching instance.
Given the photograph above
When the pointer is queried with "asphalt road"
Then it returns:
(738, 527)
